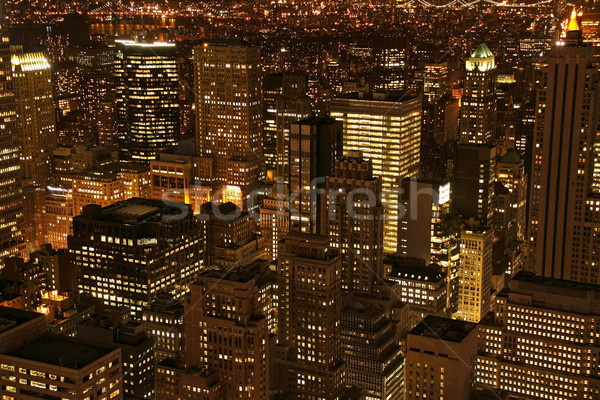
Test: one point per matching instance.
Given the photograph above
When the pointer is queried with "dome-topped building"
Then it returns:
(478, 113)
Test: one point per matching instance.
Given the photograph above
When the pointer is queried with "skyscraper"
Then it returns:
(387, 130)
(226, 331)
(147, 88)
(356, 232)
(429, 230)
(563, 221)
(36, 118)
(541, 341)
(475, 273)
(12, 242)
(474, 177)
(229, 115)
(309, 363)
(478, 116)
(435, 81)
(314, 145)
(284, 101)
(140, 247)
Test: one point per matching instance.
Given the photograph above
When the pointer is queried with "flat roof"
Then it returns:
(61, 351)
(450, 330)
(12, 317)
(144, 44)
(416, 273)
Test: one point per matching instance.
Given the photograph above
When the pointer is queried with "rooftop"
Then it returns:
(12, 317)
(482, 52)
(450, 330)
(61, 351)
(379, 97)
(413, 272)
(131, 211)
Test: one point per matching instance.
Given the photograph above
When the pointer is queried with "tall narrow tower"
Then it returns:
(478, 117)
(564, 221)
(147, 89)
(12, 242)
(229, 115)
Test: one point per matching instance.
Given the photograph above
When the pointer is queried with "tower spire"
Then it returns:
(573, 24)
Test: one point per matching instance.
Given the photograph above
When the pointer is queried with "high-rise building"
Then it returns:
(511, 174)
(475, 288)
(424, 288)
(231, 235)
(54, 364)
(229, 115)
(173, 382)
(373, 358)
(541, 341)
(474, 177)
(387, 130)
(163, 321)
(439, 359)
(563, 218)
(284, 101)
(435, 81)
(314, 145)
(101, 187)
(139, 247)
(356, 232)
(478, 114)
(147, 89)
(136, 351)
(308, 361)
(274, 219)
(12, 239)
(225, 330)
(391, 64)
(429, 231)
(36, 118)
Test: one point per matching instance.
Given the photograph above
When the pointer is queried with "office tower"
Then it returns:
(284, 101)
(314, 145)
(100, 187)
(58, 216)
(173, 382)
(140, 247)
(391, 64)
(474, 177)
(136, 351)
(136, 180)
(55, 364)
(163, 321)
(374, 124)
(147, 89)
(511, 175)
(36, 119)
(478, 114)
(563, 217)
(475, 274)
(308, 359)
(356, 232)
(435, 81)
(444, 120)
(225, 330)
(228, 115)
(541, 340)
(274, 217)
(34, 198)
(19, 327)
(232, 238)
(439, 359)
(429, 230)
(56, 264)
(373, 359)
(423, 287)
(12, 241)
(98, 102)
